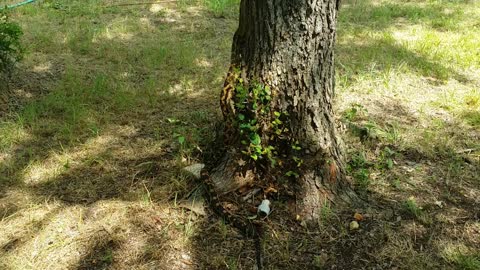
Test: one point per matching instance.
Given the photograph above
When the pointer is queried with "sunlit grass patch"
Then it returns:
(461, 256)
(440, 15)
(60, 162)
(11, 133)
(433, 39)
(59, 237)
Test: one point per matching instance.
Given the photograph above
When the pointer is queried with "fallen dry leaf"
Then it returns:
(358, 217)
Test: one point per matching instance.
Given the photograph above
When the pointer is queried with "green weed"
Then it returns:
(231, 263)
(326, 214)
(412, 207)
(467, 262)
(472, 118)
(362, 178)
(462, 257)
(358, 160)
(386, 159)
(358, 166)
(10, 134)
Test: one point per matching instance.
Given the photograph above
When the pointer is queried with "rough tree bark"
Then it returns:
(287, 45)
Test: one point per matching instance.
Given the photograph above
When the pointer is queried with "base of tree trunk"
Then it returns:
(229, 175)
(314, 194)
(313, 191)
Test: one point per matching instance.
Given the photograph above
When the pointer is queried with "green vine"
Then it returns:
(263, 130)
(252, 105)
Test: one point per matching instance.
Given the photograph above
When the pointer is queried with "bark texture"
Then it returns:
(288, 45)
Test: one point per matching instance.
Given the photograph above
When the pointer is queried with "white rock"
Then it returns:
(195, 169)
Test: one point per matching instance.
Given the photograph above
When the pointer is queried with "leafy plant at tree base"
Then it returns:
(264, 132)
(11, 50)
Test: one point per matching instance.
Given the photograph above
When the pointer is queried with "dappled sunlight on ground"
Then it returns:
(57, 163)
(107, 233)
(90, 161)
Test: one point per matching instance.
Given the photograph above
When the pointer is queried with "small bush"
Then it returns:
(10, 49)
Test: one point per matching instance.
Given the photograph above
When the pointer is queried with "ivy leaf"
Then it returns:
(266, 91)
(245, 126)
(255, 139)
(292, 173)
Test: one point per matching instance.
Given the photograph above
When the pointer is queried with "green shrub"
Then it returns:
(10, 49)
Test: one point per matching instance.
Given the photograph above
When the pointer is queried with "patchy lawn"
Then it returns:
(112, 100)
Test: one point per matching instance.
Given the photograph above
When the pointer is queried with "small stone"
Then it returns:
(186, 257)
(241, 162)
(354, 225)
(195, 170)
(439, 204)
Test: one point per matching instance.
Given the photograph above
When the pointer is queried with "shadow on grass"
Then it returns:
(471, 117)
(100, 256)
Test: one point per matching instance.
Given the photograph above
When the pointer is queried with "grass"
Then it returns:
(412, 207)
(222, 7)
(112, 101)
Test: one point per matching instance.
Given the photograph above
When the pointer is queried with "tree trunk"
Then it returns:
(284, 48)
